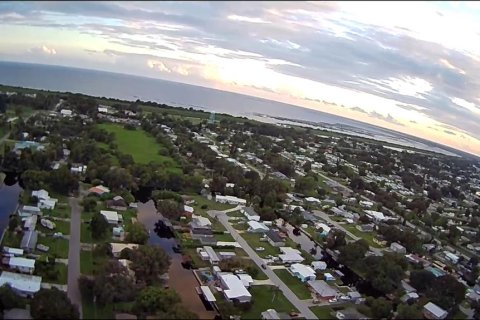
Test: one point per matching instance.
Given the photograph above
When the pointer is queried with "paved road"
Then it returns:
(73, 290)
(302, 306)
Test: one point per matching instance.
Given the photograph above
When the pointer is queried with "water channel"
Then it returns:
(181, 279)
(9, 193)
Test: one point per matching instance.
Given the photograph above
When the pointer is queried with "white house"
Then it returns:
(118, 247)
(30, 223)
(27, 211)
(398, 248)
(325, 229)
(312, 200)
(233, 288)
(66, 112)
(453, 258)
(328, 276)
(376, 215)
(47, 224)
(13, 251)
(290, 255)
(366, 204)
(230, 200)
(257, 227)
(200, 222)
(48, 204)
(319, 265)
(212, 255)
(23, 285)
(23, 265)
(303, 272)
(250, 213)
(432, 311)
(40, 194)
(246, 279)
(188, 209)
(112, 216)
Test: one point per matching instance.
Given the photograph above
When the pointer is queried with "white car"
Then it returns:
(344, 298)
(259, 249)
(332, 300)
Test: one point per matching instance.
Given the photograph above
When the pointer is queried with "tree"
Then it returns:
(53, 304)
(421, 279)
(335, 239)
(99, 226)
(153, 299)
(114, 284)
(452, 292)
(8, 298)
(137, 233)
(63, 181)
(406, 311)
(353, 253)
(380, 307)
(170, 209)
(86, 286)
(149, 263)
(13, 223)
(89, 204)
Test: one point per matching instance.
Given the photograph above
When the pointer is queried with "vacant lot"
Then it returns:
(298, 287)
(266, 297)
(139, 144)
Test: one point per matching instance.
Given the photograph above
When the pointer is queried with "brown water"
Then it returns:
(181, 280)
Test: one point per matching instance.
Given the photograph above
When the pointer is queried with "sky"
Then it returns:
(413, 67)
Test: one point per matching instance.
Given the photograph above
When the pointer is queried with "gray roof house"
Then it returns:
(274, 238)
(29, 240)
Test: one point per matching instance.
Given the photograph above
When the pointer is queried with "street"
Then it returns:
(73, 290)
(302, 306)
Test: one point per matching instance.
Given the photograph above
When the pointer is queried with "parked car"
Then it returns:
(264, 266)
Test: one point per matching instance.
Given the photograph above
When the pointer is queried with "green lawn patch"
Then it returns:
(266, 297)
(60, 226)
(62, 210)
(11, 239)
(367, 236)
(94, 311)
(58, 246)
(211, 205)
(86, 234)
(62, 274)
(322, 312)
(224, 237)
(86, 262)
(299, 288)
(139, 144)
(253, 239)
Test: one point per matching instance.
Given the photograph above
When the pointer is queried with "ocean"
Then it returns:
(131, 88)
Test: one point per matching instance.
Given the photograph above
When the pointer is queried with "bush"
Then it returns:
(204, 206)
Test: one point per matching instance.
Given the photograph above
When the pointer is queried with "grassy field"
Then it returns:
(58, 246)
(322, 312)
(253, 239)
(86, 262)
(93, 311)
(264, 297)
(11, 240)
(139, 144)
(367, 236)
(299, 288)
(211, 205)
(60, 226)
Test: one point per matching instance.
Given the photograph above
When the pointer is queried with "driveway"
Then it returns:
(302, 306)
(73, 290)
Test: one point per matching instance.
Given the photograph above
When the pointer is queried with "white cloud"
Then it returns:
(159, 65)
(235, 17)
(465, 104)
(48, 50)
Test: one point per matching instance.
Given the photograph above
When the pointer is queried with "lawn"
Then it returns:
(58, 247)
(263, 298)
(211, 205)
(224, 237)
(11, 239)
(86, 262)
(139, 144)
(60, 226)
(253, 239)
(367, 236)
(322, 312)
(299, 288)
(93, 311)
(62, 274)
(62, 210)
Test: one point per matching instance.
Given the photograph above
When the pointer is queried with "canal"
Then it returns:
(182, 280)
(9, 193)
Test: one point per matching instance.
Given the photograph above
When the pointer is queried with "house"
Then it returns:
(188, 209)
(212, 255)
(204, 235)
(27, 211)
(224, 255)
(398, 248)
(312, 200)
(246, 279)
(453, 258)
(432, 311)
(102, 109)
(290, 255)
(274, 238)
(112, 216)
(230, 200)
(78, 168)
(23, 285)
(323, 227)
(40, 194)
(118, 247)
(30, 223)
(319, 265)
(302, 272)
(48, 204)
(47, 224)
(354, 296)
(99, 190)
(366, 204)
(409, 297)
(12, 252)
(66, 112)
(328, 276)
(256, 227)
(270, 314)
(233, 288)
(365, 227)
(22, 265)
(199, 222)
(250, 213)
(322, 290)
(117, 203)
(29, 241)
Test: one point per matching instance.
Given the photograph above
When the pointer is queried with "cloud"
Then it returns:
(235, 17)
(450, 132)
(44, 50)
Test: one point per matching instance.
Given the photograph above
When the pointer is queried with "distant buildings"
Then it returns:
(398, 248)
(250, 213)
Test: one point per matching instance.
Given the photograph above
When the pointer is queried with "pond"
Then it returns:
(9, 193)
